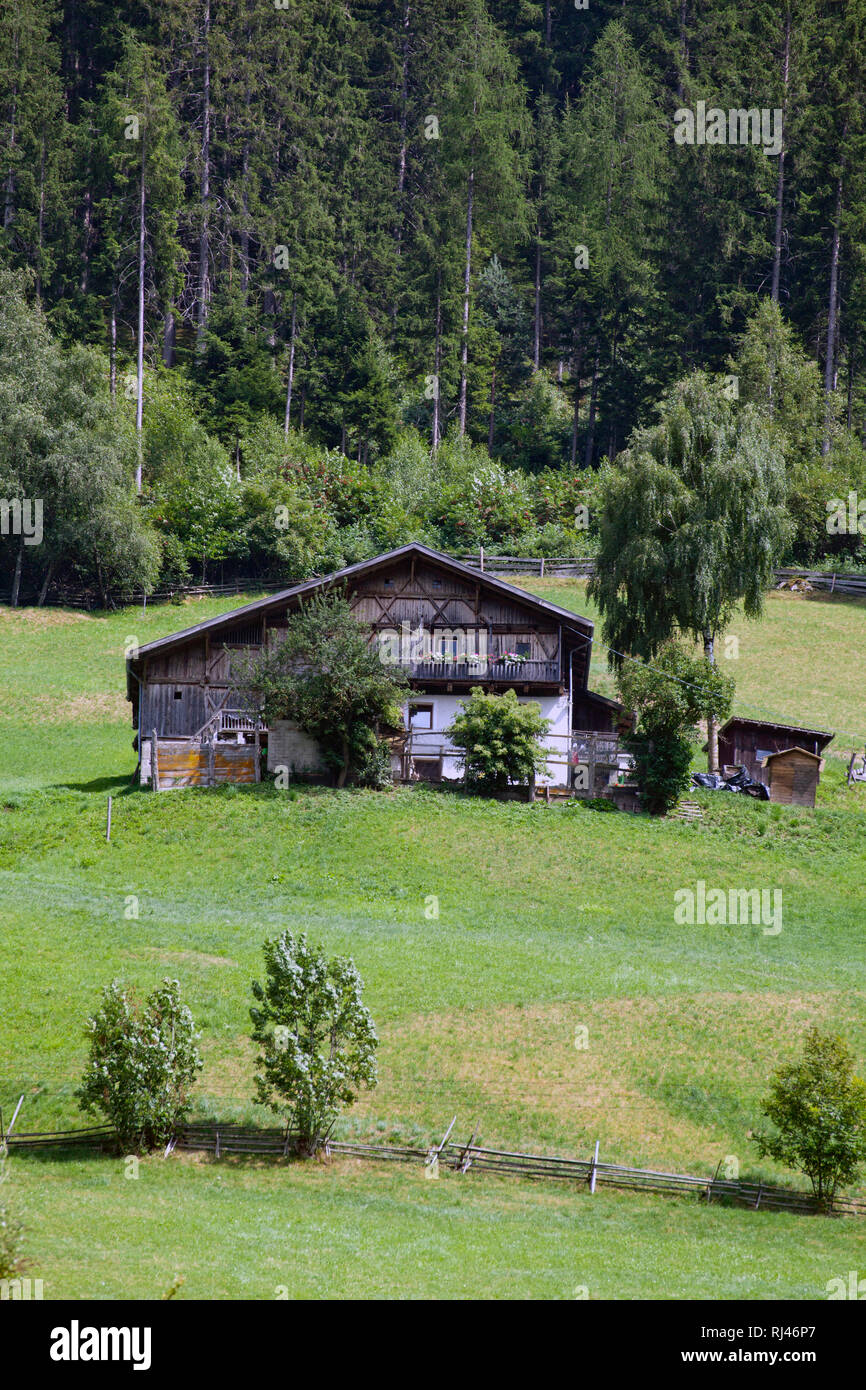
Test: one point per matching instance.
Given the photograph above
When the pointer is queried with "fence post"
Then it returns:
(108, 821)
(592, 1171)
(466, 1156)
(712, 1181)
(432, 1161)
(154, 760)
(14, 1117)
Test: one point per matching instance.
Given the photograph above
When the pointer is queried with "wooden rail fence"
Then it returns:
(223, 1140)
(559, 567)
(91, 1137)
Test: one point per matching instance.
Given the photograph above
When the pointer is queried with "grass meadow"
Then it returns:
(550, 921)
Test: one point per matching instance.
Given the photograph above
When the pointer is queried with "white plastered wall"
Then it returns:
(435, 743)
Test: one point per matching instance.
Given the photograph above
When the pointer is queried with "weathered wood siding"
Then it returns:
(175, 710)
(185, 764)
(746, 744)
(792, 778)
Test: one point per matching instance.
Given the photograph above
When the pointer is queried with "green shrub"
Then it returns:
(818, 1107)
(327, 677)
(317, 1039)
(669, 697)
(142, 1064)
(500, 740)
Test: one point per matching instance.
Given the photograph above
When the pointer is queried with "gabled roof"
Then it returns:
(816, 758)
(742, 719)
(584, 626)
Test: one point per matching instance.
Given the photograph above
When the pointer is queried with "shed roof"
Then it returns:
(744, 722)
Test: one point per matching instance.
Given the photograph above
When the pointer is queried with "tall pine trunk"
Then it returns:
(577, 367)
(245, 227)
(780, 180)
(288, 415)
(139, 347)
(593, 406)
(850, 405)
(404, 121)
(112, 344)
(437, 362)
(536, 326)
(8, 201)
(832, 315)
(204, 189)
(40, 224)
(467, 275)
(86, 238)
(169, 338)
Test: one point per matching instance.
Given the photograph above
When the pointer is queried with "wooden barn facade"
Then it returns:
(449, 626)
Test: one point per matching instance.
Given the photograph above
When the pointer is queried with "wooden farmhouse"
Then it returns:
(749, 742)
(449, 626)
(791, 776)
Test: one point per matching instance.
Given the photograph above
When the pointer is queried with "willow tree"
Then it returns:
(692, 524)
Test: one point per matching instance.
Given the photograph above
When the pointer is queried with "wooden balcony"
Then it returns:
(508, 672)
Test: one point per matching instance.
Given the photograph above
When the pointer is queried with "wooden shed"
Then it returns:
(791, 776)
(748, 742)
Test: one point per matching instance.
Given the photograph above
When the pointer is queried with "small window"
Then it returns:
(523, 648)
(388, 583)
(178, 694)
(420, 716)
(437, 583)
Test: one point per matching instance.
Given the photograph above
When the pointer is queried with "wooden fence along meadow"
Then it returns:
(223, 1140)
(558, 567)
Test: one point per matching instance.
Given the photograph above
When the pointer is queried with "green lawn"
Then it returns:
(376, 1231)
(548, 919)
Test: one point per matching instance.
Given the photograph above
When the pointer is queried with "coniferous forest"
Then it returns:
(286, 284)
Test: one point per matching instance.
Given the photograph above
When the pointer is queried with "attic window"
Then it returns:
(178, 694)
(248, 635)
(388, 583)
(437, 583)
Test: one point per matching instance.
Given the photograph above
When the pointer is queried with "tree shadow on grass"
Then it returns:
(100, 784)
